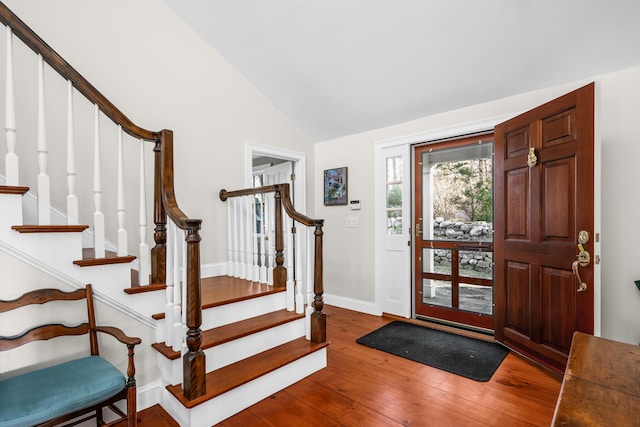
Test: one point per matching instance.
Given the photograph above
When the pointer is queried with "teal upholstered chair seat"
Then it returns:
(41, 395)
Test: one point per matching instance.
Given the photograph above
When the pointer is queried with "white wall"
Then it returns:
(161, 74)
(349, 252)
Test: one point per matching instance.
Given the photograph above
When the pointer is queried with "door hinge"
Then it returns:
(293, 177)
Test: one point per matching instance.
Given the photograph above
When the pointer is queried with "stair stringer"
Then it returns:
(224, 406)
(54, 253)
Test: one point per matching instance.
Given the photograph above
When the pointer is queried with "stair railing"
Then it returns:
(165, 206)
(256, 230)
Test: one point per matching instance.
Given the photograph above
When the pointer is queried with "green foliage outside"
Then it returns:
(464, 188)
(394, 197)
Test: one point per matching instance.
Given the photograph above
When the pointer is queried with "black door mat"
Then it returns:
(460, 355)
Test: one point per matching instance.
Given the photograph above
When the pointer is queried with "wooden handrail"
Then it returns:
(283, 200)
(194, 361)
(51, 57)
(165, 204)
(286, 201)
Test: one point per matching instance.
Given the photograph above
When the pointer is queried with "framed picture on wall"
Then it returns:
(335, 186)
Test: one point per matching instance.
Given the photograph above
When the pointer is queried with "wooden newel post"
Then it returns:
(132, 421)
(279, 271)
(193, 362)
(318, 318)
(159, 251)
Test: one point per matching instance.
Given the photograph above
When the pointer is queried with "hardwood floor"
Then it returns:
(366, 387)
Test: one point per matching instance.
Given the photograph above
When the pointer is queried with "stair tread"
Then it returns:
(10, 189)
(221, 290)
(49, 228)
(222, 334)
(89, 259)
(231, 376)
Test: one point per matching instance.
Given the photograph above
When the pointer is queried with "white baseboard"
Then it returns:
(367, 307)
(214, 269)
(148, 395)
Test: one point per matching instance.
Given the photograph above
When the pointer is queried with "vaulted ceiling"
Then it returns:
(338, 67)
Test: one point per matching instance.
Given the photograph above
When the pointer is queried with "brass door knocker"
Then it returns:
(532, 160)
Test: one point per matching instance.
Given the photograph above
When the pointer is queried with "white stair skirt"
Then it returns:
(222, 407)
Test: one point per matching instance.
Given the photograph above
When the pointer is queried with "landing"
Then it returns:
(221, 290)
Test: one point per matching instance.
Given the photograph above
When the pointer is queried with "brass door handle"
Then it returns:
(418, 231)
(583, 260)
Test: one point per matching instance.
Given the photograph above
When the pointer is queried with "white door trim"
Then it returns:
(299, 168)
(407, 201)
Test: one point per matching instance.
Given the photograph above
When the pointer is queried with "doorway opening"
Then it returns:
(453, 250)
(266, 165)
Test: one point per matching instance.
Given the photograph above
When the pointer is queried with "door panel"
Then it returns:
(558, 308)
(558, 192)
(518, 291)
(543, 199)
(517, 215)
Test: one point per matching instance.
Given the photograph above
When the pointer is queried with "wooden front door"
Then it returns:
(453, 242)
(544, 210)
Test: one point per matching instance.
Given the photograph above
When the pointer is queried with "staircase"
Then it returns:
(248, 358)
(254, 346)
(222, 343)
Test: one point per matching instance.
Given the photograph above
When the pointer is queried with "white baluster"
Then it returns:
(310, 241)
(230, 268)
(263, 248)
(291, 298)
(98, 216)
(44, 191)
(122, 232)
(255, 276)
(310, 267)
(240, 232)
(236, 238)
(243, 237)
(72, 199)
(177, 288)
(307, 318)
(11, 158)
(169, 317)
(298, 239)
(144, 255)
(271, 239)
(182, 342)
(248, 221)
(241, 240)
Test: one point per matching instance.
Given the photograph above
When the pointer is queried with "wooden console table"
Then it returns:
(601, 386)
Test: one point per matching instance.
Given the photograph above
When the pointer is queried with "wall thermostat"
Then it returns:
(354, 205)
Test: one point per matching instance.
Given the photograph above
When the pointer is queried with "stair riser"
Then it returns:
(58, 250)
(11, 211)
(215, 317)
(236, 350)
(230, 313)
(234, 401)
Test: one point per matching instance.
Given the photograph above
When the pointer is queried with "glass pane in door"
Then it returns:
(454, 229)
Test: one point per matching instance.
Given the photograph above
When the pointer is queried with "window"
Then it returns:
(394, 195)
